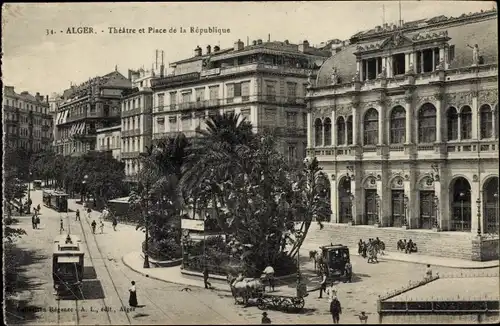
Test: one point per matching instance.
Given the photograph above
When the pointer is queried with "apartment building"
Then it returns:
(265, 82)
(27, 122)
(109, 140)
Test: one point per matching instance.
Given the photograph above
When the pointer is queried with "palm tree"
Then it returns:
(215, 158)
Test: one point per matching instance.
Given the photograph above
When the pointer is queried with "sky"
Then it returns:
(36, 62)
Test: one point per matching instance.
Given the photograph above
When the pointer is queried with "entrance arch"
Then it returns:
(345, 200)
(490, 206)
(397, 202)
(461, 215)
(428, 212)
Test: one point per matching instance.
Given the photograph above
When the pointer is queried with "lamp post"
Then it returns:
(29, 191)
(84, 182)
(351, 204)
(462, 195)
(405, 204)
(146, 243)
(377, 204)
(496, 211)
(435, 223)
(478, 203)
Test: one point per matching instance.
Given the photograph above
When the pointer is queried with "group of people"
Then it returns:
(35, 219)
(407, 247)
(371, 249)
(104, 215)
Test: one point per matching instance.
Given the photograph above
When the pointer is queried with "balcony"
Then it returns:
(172, 80)
(131, 133)
(129, 113)
(254, 67)
(188, 133)
(129, 155)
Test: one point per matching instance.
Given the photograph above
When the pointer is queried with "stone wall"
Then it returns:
(441, 244)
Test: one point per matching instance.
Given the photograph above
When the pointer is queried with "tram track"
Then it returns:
(92, 260)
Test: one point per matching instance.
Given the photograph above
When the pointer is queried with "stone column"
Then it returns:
(409, 194)
(476, 128)
(421, 61)
(439, 209)
(407, 61)
(309, 130)
(414, 61)
(357, 193)
(408, 118)
(384, 63)
(334, 128)
(366, 68)
(376, 67)
(442, 55)
(439, 123)
(459, 125)
(388, 62)
(354, 125)
(381, 120)
(359, 67)
(333, 198)
(433, 59)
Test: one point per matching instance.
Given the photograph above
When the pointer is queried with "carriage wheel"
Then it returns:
(261, 304)
(298, 303)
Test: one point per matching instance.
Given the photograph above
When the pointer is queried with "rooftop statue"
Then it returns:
(356, 76)
(475, 54)
(383, 73)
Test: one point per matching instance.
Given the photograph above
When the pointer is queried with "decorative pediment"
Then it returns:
(488, 97)
(370, 183)
(397, 183)
(458, 99)
(343, 110)
(397, 40)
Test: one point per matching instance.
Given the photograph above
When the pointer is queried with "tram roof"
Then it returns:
(61, 247)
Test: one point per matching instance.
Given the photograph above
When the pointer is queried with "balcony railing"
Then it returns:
(130, 133)
(128, 113)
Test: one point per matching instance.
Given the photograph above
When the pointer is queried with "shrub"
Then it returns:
(164, 249)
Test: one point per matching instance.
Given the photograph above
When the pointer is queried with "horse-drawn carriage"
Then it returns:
(253, 289)
(335, 262)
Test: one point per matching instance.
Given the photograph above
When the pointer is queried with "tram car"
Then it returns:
(58, 201)
(37, 184)
(67, 265)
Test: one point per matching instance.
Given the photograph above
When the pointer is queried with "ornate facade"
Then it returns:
(404, 122)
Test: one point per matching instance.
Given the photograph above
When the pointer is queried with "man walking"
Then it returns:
(94, 224)
(115, 222)
(207, 284)
(77, 215)
(335, 310)
(269, 276)
(322, 286)
(101, 226)
(61, 227)
(428, 272)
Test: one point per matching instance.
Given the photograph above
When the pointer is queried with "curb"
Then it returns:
(228, 293)
(494, 264)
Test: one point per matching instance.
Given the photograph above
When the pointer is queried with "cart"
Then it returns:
(284, 302)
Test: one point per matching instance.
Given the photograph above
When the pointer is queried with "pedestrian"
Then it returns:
(101, 226)
(33, 221)
(88, 212)
(77, 215)
(363, 318)
(61, 228)
(37, 221)
(38, 208)
(348, 271)
(94, 224)
(322, 285)
(428, 272)
(115, 222)
(335, 310)
(265, 319)
(269, 276)
(132, 301)
(332, 292)
(207, 284)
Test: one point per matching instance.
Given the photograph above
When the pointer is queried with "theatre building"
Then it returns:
(404, 122)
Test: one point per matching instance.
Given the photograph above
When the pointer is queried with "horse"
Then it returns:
(314, 255)
(245, 288)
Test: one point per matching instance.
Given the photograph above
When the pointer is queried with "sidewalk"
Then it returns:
(425, 259)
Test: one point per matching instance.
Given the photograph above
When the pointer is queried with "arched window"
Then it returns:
(340, 131)
(452, 123)
(486, 121)
(318, 132)
(398, 117)
(466, 123)
(348, 126)
(427, 124)
(371, 127)
(327, 125)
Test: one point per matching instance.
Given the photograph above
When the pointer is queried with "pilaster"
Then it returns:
(476, 130)
(475, 195)
(309, 129)
(439, 116)
(407, 61)
(355, 109)
(357, 192)
(333, 129)
(334, 198)
(408, 116)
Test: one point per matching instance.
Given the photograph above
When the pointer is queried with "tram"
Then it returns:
(55, 200)
(37, 184)
(67, 265)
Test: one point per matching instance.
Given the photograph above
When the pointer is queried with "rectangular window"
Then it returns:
(237, 89)
(230, 90)
(173, 100)
(214, 92)
(245, 91)
(271, 92)
(291, 119)
(200, 94)
(161, 101)
(371, 211)
(451, 53)
(292, 153)
(291, 90)
(186, 97)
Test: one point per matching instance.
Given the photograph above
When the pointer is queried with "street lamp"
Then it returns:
(377, 204)
(405, 203)
(83, 187)
(146, 243)
(351, 204)
(435, 223)
(478, 203)
(29, 190)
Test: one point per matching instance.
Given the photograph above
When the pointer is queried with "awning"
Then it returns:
(82, 128)
(68, 259)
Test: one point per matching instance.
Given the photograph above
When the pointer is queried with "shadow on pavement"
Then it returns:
(92, 289)
(89, 272)
(17, 262)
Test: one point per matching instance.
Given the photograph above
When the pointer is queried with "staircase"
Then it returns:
(441, 244)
